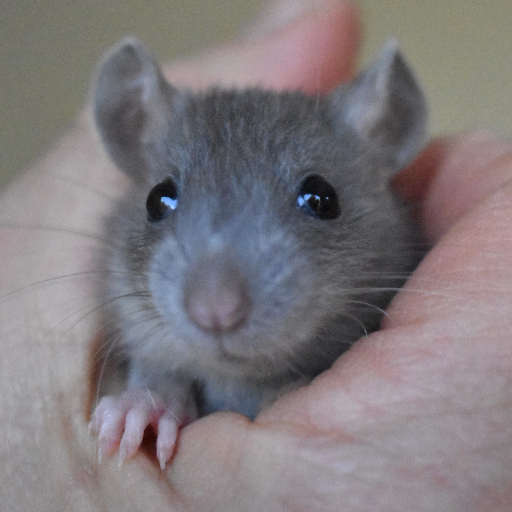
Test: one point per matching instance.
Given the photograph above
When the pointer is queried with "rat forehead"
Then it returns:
(254, 132)
(222, 117)
(232, 104)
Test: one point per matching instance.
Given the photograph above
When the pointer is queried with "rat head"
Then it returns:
(261, 231)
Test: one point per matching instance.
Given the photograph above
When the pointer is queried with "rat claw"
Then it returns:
(166, 441)
(95, 422)
(122, 458)
(120, 422)
(100, 455)
(136, 422)
(164, 453)
(162, 459)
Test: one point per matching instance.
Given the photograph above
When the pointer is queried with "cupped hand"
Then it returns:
(417, 416)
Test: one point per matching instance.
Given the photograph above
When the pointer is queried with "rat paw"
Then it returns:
(120, 422)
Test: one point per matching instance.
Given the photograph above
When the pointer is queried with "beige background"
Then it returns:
(461, 50)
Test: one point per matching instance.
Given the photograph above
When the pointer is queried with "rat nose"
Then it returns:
(216, 297)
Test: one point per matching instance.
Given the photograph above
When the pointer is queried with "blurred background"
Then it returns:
(460, 49)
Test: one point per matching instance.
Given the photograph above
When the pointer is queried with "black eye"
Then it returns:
(161, 199)
(318, 197)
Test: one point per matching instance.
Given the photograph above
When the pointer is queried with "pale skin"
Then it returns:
(417, 416)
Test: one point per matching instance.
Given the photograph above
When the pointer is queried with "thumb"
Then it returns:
(311, 46)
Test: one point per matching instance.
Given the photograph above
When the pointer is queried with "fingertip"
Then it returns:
(312, 51)
(452, 175)
(320, 50)
(412, 183)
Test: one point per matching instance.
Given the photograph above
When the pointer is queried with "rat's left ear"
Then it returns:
(384, 105)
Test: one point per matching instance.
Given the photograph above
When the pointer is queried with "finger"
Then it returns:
(213, 451)
(313, 51)
(452, 175)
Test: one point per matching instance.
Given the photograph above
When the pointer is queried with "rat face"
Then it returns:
(261, 229)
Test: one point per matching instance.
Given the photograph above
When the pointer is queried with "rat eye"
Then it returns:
(161, 199)
(318, 198)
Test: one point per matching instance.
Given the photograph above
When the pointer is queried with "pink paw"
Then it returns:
(120, 422)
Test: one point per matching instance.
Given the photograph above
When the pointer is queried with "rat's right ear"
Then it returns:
(132, 106)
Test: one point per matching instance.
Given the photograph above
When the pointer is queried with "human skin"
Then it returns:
(417, 416)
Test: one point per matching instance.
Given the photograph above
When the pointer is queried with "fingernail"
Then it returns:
(277, 15)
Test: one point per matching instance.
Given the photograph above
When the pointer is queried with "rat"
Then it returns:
(259, 241)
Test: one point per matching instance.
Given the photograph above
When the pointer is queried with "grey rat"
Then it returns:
(260, 240)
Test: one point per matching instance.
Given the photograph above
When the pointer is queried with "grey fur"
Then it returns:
(311, 287)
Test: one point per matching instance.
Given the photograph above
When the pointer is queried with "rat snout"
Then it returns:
(216, 297)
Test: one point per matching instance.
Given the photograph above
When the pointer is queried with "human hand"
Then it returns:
(415, 417)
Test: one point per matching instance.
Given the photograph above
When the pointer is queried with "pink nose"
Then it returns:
(217, 298)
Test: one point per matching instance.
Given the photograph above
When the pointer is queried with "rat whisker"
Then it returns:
(58, 280)
(83, 186)
(61, 230)
(370, 306)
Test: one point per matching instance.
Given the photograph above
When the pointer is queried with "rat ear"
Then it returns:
(384, 105)
(132, 106)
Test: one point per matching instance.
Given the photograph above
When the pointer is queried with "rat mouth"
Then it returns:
(232, 348)
(237, 351)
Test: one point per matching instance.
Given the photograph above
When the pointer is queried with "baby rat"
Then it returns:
(260, 239)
